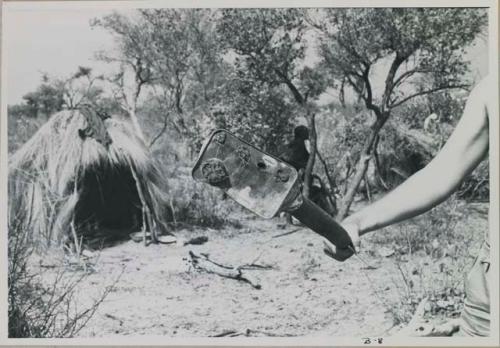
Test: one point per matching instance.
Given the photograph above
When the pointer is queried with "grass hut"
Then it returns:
(84, 176)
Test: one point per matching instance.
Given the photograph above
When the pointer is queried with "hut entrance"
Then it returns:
(108, 201)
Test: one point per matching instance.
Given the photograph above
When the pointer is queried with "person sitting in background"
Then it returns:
(465, 149)
(296, 152)
(297, 155)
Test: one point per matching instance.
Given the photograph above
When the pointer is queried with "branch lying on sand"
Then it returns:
(250, 333)
(197, 240)
(202, 262)
(287, 233)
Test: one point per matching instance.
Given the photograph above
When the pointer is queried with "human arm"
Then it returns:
(465, 148)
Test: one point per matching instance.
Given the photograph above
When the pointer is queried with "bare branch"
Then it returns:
(407, 74)
(369, 95)
(429, 91)
(389, 81)
(353, 85)
(160, 133)
(297, 95)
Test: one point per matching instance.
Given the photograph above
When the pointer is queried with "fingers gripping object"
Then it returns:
(261, 183)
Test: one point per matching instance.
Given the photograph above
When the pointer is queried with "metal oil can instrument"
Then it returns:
(262, 183)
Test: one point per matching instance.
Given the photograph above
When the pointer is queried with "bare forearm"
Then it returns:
(417, 195)
(466, 147)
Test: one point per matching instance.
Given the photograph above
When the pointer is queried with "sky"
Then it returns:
(50, 41)
(56, 40)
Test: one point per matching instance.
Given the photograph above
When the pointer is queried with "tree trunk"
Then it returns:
(136, 124)
(378, 172)
(312, 155)
(348, 167)
(367, 187)
(361, 166)
(331, 181)
(360, 171)
(131, 86)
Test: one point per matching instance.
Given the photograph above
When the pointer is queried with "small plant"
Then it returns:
(42, 303)
(431, 255)
(196, 204)
(432, 233)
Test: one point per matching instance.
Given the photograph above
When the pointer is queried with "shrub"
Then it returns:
(197, 204)
(432, 254)
(42, 304)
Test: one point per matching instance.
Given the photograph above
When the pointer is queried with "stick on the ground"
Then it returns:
(226, 333)
(250, 333)
(202, 262)
(287, 233)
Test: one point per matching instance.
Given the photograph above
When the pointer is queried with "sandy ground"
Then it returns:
(304, 293)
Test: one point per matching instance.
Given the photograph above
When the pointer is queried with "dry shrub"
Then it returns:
(422, 232)
(42, 304)
(192, 203)
(476, 187)
(198, 204)
(432, 254)
(21, 128)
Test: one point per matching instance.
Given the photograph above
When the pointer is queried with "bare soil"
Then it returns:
(157, 291)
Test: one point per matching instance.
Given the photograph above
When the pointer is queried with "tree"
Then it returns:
(188, 63)
(81, 88)
(268, 46)
(134, 65)
(46, 99)
(55, 94)
(260, 114)
(171, 54)
(412, 43)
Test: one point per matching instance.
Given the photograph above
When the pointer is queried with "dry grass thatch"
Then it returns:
(81, 174)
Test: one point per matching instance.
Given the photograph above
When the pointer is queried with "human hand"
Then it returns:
(342, 254)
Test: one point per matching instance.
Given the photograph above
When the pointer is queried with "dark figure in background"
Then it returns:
(297, 155)
(296, 152)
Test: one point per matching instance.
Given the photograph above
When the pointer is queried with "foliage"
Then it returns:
(196, 204)
(81, 88)
(261, 115)
(341, 131)
(268, 48)
(357, 39)
(37, 307)
(258, 72)
(422, 58)
(477, 186)
(270, 52)
(431, 255)
(53, 95)
(20, 127)
(173, 52)
(47, 99)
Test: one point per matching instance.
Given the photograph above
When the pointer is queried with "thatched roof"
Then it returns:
(84, 173)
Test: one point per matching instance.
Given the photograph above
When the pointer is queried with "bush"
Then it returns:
(41, 304)
(432, 254)
(20, 128)
(197, 204)
(477, 186)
